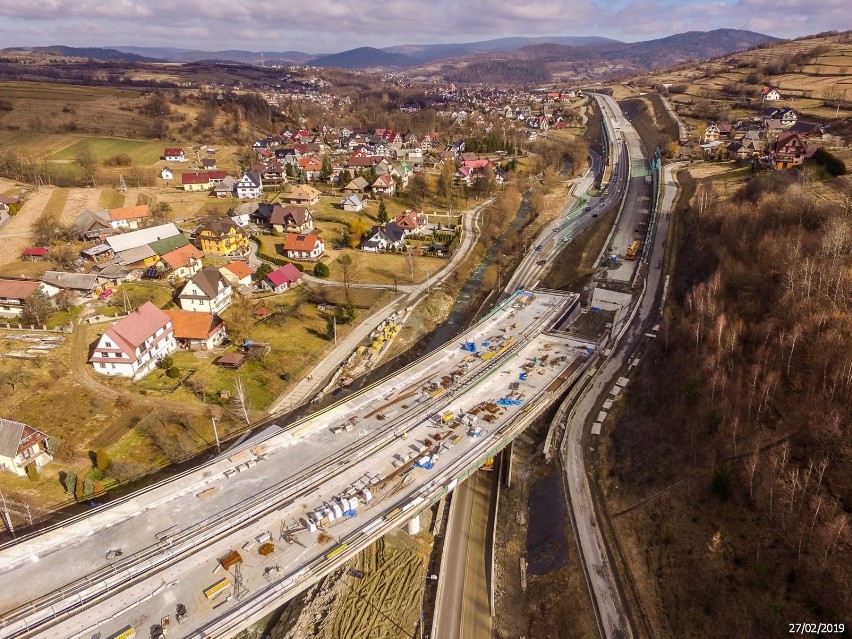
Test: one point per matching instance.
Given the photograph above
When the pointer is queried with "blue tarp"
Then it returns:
(523, 377)
(505, 401)
(349, 513)
(469, 346)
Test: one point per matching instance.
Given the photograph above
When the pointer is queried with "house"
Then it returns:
(250, 186)
(183, 262)
(222, 237)
(20, 446)
(208, 163)
(166, 173)
(281, 279)
(129, 217)
(303, 194)
(783, 117)
(225, 188)
(389, 237)
(207, 292)
(358, 185)
(194, 181)
(197, 331)
(174, 155)
(770, 94)
(297, 219)
(81, 285)
(134, 344)
(237, 273)
(384, 185)
(13, 295)
(261, 213)
(411, 223)
(352, 203)
(139, 240)
(6, 203)
(790, 149)
(298, 246)
(274, 172)
(311, 167)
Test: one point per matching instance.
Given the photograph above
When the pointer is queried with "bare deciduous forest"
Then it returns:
(745, 394)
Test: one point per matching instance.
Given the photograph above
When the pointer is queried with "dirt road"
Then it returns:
(16, 234)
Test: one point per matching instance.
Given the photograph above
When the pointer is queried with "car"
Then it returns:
(539, 247)
(555, 229)
(541, 263)
(566, 239)
(594, 214)
(587, 209)
(107, 293)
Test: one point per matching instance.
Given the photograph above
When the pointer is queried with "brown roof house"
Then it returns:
(291, 218)
(129, 217)
(197, 331)
(183, 262)
(237, 273)
(20, 446)
(134, 344)
(303, 194)
(14, 294)
(207, 292)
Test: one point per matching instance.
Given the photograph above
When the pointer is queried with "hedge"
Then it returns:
(280, 261)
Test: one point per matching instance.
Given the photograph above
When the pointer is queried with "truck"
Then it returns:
(633, 250)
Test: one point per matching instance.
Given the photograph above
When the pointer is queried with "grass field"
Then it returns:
(140, 151)
(111, 199)
(56, 203)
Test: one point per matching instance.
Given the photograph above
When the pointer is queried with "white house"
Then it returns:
(166, 173)
(237, 273)
(129, 217)
(389, 237)
(197, 331)
(250, 186)
(174, 155)
(207, 292)
(770, 94)
(134, 344)
(352, 203)
(20, 446)
(299, 246)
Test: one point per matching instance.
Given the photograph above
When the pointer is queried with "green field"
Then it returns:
(111, 199)
(140, 151)
(44, 91)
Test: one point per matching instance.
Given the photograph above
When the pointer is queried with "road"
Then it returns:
(608, 597)
(68, 586)
(465, 611)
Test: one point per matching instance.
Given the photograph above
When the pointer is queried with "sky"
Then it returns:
(328, 26)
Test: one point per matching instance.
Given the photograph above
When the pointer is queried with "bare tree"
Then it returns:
(242, 398)
(348, 273)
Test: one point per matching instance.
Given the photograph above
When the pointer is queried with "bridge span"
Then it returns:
(238, 536)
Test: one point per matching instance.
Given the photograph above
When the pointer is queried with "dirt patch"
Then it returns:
(78, 200)
(17, 232)
(384, 603)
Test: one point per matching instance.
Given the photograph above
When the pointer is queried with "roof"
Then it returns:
(202, 177)
(131, 331)
(208, 280)
(286, 274)
(300, 242)
(192, 324)
(181, 256)
(129, 212)
(16, 437)
(35, 251)
(75, 281)
(173, 152)
(231, 360)
(90, 219)
(283, 214)
(18, 289)
(5, 199)
(218, 229)
(353, 200)
(136, 254)
(167, 244)
(240, 269)
(303, 192)
(252, 177)
(359, 183)
(142, 237)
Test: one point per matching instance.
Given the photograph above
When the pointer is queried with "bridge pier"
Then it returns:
(506, 456)
(413, 525)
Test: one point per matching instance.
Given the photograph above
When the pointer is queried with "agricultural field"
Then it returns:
(141, 152)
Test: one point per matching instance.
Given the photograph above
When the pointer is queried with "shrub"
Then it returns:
(173, 372)
(166, 363)
(70, 483)
(54, 445)
(321, 270)
(32, 472)
(88, 488)
(102, 460)
(96, 474)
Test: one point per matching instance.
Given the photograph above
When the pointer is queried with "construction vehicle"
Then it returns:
(633, 250)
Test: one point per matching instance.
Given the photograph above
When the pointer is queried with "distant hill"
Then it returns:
(173, 54)
(92, 53)
(609, 59)
(364, 57)
(430, 52)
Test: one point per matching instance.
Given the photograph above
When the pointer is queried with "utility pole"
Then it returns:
(7, 517)
(428, 289)
(334, 322)
(216, 434)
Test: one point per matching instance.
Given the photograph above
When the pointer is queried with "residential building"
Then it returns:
(134, 344)
(6, 203)
(20, 446)
(250, 186)
(81, 285)
(791, 150)
(142, 237)
(166, 173)
(222, 237)
(411, 223)
(237, 273)
(13, 295)
(296, 219)
(389, 237)
(197, 331)
(384, 185)
(174, 155)
(90, 225)
(303, 194)
(182, 263)
(311, 167)
(298, 246)
(206, 292)
(281, 279)
(357, 185)
(129, 217)
(352, 203)
(770, 94)
(225, 188)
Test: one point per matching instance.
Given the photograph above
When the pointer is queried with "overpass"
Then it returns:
(274, 506)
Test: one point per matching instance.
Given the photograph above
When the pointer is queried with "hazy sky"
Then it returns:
(317, 26)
